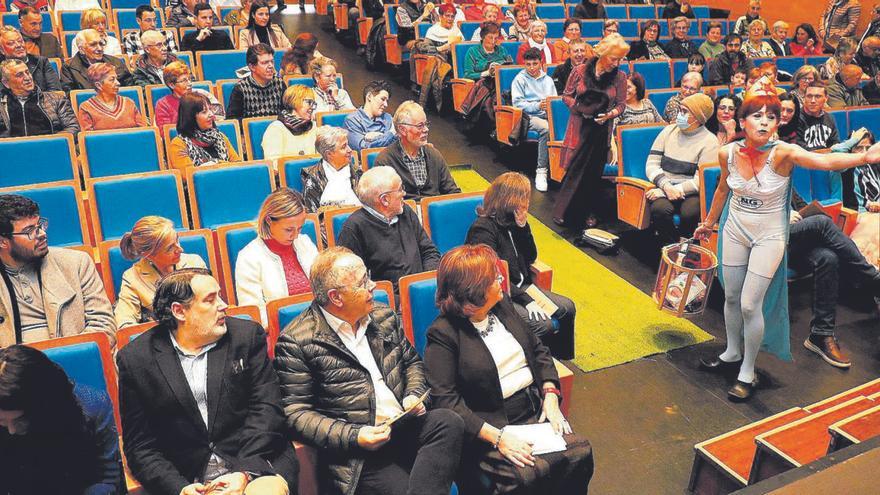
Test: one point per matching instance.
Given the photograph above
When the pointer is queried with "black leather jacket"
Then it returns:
(54, 105)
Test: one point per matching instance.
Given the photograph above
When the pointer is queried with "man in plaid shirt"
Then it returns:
(146, 19)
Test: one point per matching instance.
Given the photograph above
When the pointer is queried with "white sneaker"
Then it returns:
(541, 181)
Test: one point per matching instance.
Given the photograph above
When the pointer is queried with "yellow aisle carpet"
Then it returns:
(616, 322)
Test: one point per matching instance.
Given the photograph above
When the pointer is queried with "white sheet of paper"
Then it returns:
(544, 439)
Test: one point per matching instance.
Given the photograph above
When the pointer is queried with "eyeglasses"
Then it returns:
(96, 44)
(183, 81)
(398, 190)
(310, 102)
(32, 231)
(423, 126)
(363, 284)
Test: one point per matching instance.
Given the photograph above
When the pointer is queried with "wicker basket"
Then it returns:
(685, 276)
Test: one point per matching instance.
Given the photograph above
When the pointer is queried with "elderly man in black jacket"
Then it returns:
(91, 51)
(12, 46)
(41, 113)
(347, 372)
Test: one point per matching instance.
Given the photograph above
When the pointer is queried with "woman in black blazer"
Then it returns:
(485, 364)
(503, 225)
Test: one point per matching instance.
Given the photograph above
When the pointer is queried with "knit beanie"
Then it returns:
(700, 105)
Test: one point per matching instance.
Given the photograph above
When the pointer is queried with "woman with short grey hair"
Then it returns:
(331, 183)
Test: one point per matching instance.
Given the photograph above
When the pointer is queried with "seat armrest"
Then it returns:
(393, 52)
(506, 118)
(632, 206)
(847, 220)
(566, 385)
(542, 274)
(554, 150)
(460, 89)
(635, 182)
(364, 25)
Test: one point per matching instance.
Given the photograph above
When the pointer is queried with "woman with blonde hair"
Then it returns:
(755, 46)
(277, 263)
(503, 225)
(107, 109)
(294, 131)
(96, 19)
(154, 245)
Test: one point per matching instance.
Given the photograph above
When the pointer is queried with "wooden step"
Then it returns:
(800, 442)
(856, 429)
(722, 464)
(864, 390)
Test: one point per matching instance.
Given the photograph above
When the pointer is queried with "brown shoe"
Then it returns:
(826, 347)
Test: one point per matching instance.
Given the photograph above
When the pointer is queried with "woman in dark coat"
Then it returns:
(503, 225)
(486, 365)
(596, 94)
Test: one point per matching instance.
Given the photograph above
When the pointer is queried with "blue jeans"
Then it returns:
(542, 127)
(818, 245)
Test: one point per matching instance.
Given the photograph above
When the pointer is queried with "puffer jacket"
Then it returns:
(55, 105)
(328, 396)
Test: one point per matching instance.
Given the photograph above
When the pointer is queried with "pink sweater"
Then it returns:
(166, 111)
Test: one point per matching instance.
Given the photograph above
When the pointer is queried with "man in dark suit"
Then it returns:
(74, 72)
(200, 402)
(37, 42)
(205, 38)
(779, 41)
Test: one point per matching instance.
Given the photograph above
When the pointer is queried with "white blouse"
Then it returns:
(338, 190)
(509, 357)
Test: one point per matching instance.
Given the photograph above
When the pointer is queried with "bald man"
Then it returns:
(868, 56)
(844, 91)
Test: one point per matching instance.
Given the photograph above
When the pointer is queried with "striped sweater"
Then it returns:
(675, 155)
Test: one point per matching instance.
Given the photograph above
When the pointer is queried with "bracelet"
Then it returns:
(498, 439)
(551, 390)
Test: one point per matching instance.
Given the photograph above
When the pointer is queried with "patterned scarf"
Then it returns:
(294, 123)
(197, 146)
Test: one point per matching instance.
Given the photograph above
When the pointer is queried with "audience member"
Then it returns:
(522, 24)
(712, 47)
(695, 63)
(529, 92)
(474, 11)
(680, 46)
(186, 14)
(26, 110)
(843, 55)
(610, 26)
(816, 128)
(419, 164)
(154, 245)
(723, 66)
(871, 91)
(639, 109)
(330, 97)
(96, 19)
(779, 39)
(647, 47)
(37, 42)
(339, 396)
(178, 78)
(723, 123)
(332, 182)
(260, 29)
(838, 21)
(743, 23)
(486, 365)
(386, 233)
(107, 109)
(490, 14)
(738, 79)
(12, 46)
(571, 30)
(691, 83)
(481, 60)
(590, 9)
(146, 17)
(239, 17)
(204, 38)
(579, 51)
(198, 140)
(299, 57)
(293, 133)
(755, 46)
(56, 437)
(150, 65)
(802, 79)
(207, 380)
(370, 126)
(673, 167)
(873, 27)
(866, 182)
(789, 116)
(678, 8)
(844, 91)
(259, 94)
(437, 44)
(806, 42)
(409, 13)
(868, 56)
(52, 292)
(74, 72)
(538, 40)
(278, 261)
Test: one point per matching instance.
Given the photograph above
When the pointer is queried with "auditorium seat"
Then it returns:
(11, 19)
(634, 143)
(254, 128)
(157, 91)
(552, 11)
(660, 97)
(394, 53)
(657, 73)
(120, 152)
(116, 203)
(125, 335)
(642, 12)
(867, 117)
(333, 221)
(334, 118)
(229, 128)
(62, 204)
(126, 17)
(219, 64)
(447, 218)
(614, 12)
(79, 96)
(789, 64)
(38, 159)
(69, 20)
(368, 157)
(308, 81)
(710, 174)
(224, 194)
(507, 117)
(290, 170)
(223, 90)
(461, 86)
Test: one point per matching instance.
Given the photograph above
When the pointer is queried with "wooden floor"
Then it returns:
(643, 418)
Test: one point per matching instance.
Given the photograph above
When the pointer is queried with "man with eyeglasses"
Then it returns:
(145, 16)
(724, 66)
(419, 165)
(74, 72)
(347, 373)
(386, 233)
(259, 94)
(12, 46)
(46, 292)
(149, 66)
(26, 110)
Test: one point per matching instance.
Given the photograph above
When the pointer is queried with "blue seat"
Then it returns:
(33, 160)
(61, 204)
(817, 60)
(789, 64)
(708, 185)
(701, 11)
(423, 29)
(56, 64)
(554, 28)
(615, 11)
(336, 224)
(448, 219)
(635, 144)
(468, 28)
(308, 81)
(133, 92)
(391, 26)
(642, 12)
(418, 310)
(550, 11)
(226, 86)
(661, 97)
(592, 28)
(287, 314)
(628, 28)
(291, 170)
(126, 17)
(11, 19)
(863, 117)
(70, 20)
(82, 363)
(370, 157)
(840, 120)
(215, 203)
(254, 128)
(800, 180)
(158, 193)
(101, 152)
(228, 127)
(657, 74)
(220, 64)
(510, 46)
(460, 55)
(334, 119)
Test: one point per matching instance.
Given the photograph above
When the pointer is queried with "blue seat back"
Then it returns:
(789, 64)
(615, 11)
(70, 20)
(468, 28)
(701, 11)
(817, 60)
(510, 46)
(293, 167)
(150, 195)
(592, 28)
(450, 220)
(103, 151)
(32, 161)
(221, 64)
(192, 244)
(661, 98)
(506, 76)
(550, 11)
(227, 127)
(226, 90)
(82, 363)
(461, 50)
(255, 131)
(131, 92)
(642, 12)
(287, 314)
(227, 195)
(56, 65)
(126, 17)
(308, 81)
(800, 180)
(657, 74)
(628, 28)
(826, 186)
(635, 145)
(371, 158)
(868, 118)
(11, 19)
(709, 183)
(423, 29)
(423, 311)
(160, 92)
(58, 204)
(554, 28)
(840, 120)
(338, 222)
(391, 19)
(335, 119)
(558, 119)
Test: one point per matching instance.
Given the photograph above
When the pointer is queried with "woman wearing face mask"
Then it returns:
(752, 202)
(502, 224)
(723, 122)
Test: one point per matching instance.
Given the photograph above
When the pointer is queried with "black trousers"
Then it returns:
(662, 211)
(559, 337)
(421, 458)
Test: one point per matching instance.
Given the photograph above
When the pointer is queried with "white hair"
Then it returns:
(374, 182)
(696, 76)
(80, 38)
(328, 137)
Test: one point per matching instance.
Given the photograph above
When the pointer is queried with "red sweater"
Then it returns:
(297, 281)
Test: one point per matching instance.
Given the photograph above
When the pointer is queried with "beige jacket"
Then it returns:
(277, 38)
(134, 304)
(74, 298)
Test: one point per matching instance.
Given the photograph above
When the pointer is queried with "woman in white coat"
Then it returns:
(277, 263)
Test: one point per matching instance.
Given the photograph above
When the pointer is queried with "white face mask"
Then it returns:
(682, 120)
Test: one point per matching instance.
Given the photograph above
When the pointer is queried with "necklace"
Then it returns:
(490, 326)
